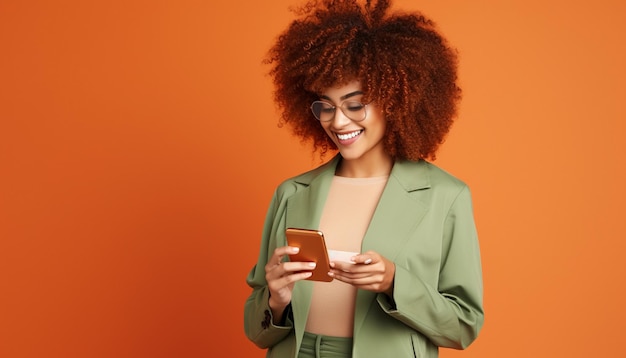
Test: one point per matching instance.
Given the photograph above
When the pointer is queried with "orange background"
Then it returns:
(139, 150)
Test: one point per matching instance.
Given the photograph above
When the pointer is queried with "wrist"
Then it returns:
(277, 311)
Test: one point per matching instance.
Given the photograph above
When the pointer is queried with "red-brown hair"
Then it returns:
(405, 66)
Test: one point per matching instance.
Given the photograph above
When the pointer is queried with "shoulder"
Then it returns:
(434, 187)
(441, 176)
(303, 180)
(416, 175)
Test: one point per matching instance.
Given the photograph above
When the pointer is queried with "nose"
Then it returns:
(340, 119)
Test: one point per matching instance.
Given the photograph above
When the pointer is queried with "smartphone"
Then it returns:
(312, 249)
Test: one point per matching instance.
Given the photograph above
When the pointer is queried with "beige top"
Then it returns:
(347, 213)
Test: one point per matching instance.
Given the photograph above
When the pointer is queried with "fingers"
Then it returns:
(280, 252)
(284, 276)
(276, 268)
(281, 276)
(369, 271)
(356, 261)
(368, 257)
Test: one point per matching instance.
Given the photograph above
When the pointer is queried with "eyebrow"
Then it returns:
(346, 96)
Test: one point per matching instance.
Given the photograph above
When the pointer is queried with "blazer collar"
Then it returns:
(410, 176)
(304, 208)
(397, 212)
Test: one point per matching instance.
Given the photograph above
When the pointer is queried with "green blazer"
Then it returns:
(424, 223)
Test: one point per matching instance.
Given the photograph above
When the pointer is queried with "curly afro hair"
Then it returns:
(404, 65)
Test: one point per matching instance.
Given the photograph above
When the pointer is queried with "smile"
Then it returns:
(350, 135)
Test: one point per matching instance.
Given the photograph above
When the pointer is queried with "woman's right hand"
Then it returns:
(281, 277)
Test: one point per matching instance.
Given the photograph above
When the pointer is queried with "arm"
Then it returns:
(267, 312)
(451, 314)
(259, 324)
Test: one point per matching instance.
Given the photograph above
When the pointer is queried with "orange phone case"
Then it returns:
(312, 249)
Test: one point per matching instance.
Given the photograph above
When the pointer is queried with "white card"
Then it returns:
(337, 255)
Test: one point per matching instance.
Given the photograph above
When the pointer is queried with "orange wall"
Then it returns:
(139, 150)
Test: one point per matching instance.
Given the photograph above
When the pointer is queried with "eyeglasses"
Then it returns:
(325, 111)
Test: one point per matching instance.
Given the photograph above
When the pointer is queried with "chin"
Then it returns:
(350, 154)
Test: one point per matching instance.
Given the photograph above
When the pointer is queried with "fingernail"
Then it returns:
(312, 264)
(368, 261)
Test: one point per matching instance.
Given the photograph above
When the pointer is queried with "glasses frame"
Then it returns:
(342, 107)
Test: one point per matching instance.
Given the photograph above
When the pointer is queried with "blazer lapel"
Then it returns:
(304, 210)
(397, 215)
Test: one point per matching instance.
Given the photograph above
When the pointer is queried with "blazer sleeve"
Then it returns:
(258, 320)
(450, 315)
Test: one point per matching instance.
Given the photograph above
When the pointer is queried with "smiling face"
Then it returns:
(359, 142)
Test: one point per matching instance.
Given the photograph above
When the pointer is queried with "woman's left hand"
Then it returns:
(369, 271)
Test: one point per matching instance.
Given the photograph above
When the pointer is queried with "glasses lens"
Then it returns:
(354, 110)
(323, 111)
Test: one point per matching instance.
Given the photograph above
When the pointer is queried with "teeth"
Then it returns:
(348, 135)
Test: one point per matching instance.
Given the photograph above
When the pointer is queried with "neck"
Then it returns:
(361, 168)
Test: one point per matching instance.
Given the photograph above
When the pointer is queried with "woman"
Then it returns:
(378, 90)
